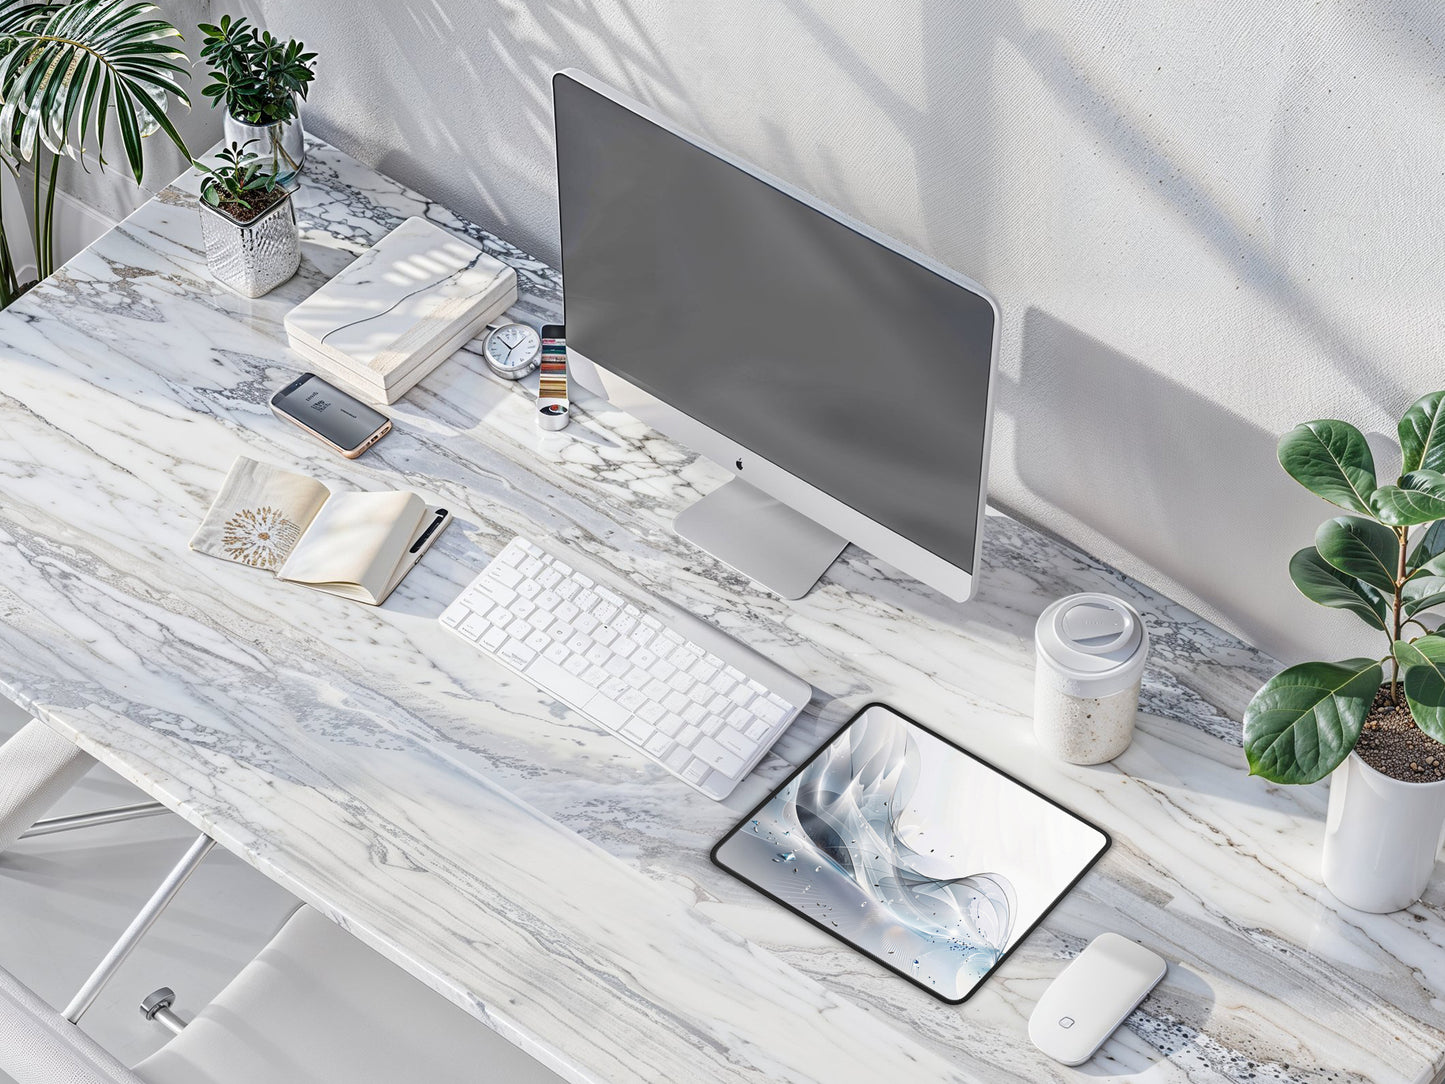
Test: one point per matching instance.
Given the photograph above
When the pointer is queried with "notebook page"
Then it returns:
(259, 514)
(355, 543)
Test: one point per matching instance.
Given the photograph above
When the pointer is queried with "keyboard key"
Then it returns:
(736, 743)
(688, 735)
(556, 653)
(568, 612)
(660, 668)
(518, 629)
(528, 546)
(617, 666)
(632, 700)
(674, 701)
(529, 589)
(539, 641)
(579, 644)
(512, 554)
(523, 607)
(717, 757)
(530, 567)
(607, 636)
(595, 675)
(586, 623)
(598, 655)
(677, 759)
(644, 658)
(638, 678)
(473, 627)
(519, 655)
(757, 729)
(695, 772)
(506, 576)
(636, 730)
(665, 723)
(695, 715)
(550, 577)
(657, 744)
(612, 716)
(493, 638)
(453, 616)
(655, 689)
(765, 709)
(575, 665)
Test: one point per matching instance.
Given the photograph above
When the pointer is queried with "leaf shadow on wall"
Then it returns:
(1188, 488)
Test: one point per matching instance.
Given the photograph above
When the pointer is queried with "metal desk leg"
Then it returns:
(37, 766)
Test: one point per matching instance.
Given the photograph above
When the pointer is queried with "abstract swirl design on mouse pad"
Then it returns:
(913, 851)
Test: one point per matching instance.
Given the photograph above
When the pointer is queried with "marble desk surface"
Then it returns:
(528, 865)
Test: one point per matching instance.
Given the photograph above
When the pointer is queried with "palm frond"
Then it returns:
(68, 69)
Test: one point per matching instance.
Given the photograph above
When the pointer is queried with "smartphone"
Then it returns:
(340, 421)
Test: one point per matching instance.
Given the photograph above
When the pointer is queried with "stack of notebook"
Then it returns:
(400, 309)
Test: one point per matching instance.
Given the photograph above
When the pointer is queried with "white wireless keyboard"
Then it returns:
(695, 700)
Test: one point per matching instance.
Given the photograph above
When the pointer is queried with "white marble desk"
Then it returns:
(529, 866)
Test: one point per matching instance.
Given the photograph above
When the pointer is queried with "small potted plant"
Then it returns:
(260, 79)
(249, 225)
(1382, 739)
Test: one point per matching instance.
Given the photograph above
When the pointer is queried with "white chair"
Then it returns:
(316, 1006)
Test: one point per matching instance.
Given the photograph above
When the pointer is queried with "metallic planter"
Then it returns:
(252, 257)
(283, 145)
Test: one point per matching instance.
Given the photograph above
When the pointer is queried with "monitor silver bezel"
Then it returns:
(844, 520)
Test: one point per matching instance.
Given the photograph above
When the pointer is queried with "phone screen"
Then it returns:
(328, 411)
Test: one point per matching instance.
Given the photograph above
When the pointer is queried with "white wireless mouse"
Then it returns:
(1092, 996)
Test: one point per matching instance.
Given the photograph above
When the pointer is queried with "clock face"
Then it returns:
(513, 349)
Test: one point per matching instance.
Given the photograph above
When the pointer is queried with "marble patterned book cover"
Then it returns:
(913, 851)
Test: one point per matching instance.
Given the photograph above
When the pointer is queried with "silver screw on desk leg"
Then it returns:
(157, 1006)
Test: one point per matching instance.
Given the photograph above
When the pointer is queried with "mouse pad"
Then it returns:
(912, 850)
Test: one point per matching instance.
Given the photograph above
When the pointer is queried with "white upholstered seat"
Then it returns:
(316, 1006)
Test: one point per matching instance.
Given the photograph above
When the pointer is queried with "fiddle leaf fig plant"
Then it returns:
(1384, 563)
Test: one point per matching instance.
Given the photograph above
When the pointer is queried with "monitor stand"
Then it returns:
(761, 537)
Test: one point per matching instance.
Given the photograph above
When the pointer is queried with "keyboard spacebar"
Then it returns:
(551, 678)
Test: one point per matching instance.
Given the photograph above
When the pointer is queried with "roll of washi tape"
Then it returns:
(552, 407)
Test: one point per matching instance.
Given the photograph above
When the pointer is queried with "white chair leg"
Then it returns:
(37, 766)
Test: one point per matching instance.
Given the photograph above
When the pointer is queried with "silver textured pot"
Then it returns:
(252, 257)
(282, 145)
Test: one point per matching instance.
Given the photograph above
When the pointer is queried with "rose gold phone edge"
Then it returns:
(376, 435)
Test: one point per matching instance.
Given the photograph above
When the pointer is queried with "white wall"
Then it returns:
(1205, 221)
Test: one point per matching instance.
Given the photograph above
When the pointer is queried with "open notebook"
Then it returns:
(356, 545)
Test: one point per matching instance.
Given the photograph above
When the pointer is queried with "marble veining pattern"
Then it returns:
(529, 866)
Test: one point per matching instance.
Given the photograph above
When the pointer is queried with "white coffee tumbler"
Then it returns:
(1091, 650)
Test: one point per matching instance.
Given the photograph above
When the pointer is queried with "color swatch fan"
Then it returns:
(400, 309)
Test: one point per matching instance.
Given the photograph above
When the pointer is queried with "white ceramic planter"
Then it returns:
(1381, 837)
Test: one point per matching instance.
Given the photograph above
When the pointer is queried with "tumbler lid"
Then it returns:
(1094, 644)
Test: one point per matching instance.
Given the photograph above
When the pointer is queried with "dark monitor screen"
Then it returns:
(845, 363)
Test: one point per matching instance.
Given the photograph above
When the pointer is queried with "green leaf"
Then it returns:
(1360, 548)
(70, 72)
(1419, 498)
(1422, 592)
(1321, 582)
(1430, 545)
(1305, 720)
(1422, 434)
(1423, 667)
(1331, 459)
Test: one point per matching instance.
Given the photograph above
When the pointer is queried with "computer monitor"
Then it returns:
(843, 378)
